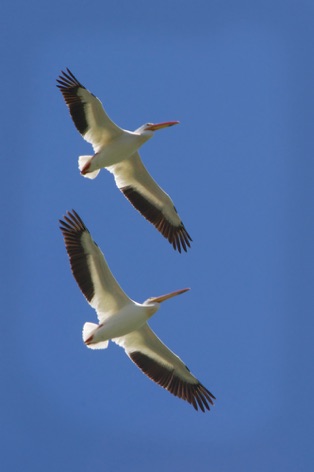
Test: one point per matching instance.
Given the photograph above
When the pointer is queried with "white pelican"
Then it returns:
(116, 149)
(124, 321)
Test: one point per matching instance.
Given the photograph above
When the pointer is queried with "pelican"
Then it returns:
(116, 149)
(123, 320)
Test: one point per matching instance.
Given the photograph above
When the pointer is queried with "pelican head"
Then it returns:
(157, 126)
(148, 129)
(157, 300)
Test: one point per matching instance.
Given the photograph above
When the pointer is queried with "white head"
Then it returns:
(153, 303)
(148, 129)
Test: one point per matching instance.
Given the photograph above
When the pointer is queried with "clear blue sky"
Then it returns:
(239, 76)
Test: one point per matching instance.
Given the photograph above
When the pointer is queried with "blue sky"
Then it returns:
(239, 77)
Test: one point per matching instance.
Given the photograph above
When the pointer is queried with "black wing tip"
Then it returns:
(181, 239)
(194, 393)
(176, 235)
(67, 81)
(72, 228)
(72, 220)
(204, 398)
(69, 86)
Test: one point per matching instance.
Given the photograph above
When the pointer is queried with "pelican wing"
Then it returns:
(149, 199)
(90, 268)
(87, 112)
(164, 367)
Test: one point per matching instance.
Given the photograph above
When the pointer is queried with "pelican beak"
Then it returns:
(157, 126)
(162, 298)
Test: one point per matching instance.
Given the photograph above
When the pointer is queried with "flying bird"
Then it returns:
(123, 320)
(116, 149)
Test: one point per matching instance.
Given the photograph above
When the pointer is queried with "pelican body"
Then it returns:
(116, 150)
(123, 320)
(127, 319)
(119, 149)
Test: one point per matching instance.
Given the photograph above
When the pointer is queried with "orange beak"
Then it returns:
(163, 298)
(166, 124)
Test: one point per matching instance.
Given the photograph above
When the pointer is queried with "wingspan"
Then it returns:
(90, 268)
(164, 367)
(150, 200)
(87, 112)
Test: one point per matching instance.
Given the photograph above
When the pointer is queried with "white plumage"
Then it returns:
(117, 150)
(123, 320)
